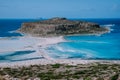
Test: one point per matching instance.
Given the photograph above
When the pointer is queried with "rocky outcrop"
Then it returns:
(60, 26)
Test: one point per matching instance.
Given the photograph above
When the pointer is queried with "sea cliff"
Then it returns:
(61, 26)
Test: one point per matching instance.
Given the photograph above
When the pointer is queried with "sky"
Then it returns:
(60, 8)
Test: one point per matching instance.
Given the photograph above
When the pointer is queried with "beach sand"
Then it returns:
(38, 44)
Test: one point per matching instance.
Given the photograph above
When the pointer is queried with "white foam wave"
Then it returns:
(94, 41)
(111, 29)
(67, 52)
(62, 49)
(108, 25)
(12, 31)
(89, 41)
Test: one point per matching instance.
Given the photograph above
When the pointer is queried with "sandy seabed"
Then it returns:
(38, 44)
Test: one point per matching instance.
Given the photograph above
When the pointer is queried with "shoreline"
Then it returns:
(39, 45)
(93, 34)
(55, 61)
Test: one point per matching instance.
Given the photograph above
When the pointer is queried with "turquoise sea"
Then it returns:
(106, 46)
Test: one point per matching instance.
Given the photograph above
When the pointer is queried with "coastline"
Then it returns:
(56, 61)
(108, 30)
(40, 44)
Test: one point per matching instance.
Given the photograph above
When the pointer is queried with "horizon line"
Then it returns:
(60, 17)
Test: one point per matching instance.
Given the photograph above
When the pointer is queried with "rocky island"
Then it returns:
(61, 26)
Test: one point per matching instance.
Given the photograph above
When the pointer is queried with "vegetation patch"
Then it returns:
(62, 71)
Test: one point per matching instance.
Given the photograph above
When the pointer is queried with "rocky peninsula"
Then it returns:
(61, 26)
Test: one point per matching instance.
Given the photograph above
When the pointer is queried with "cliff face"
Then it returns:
(60, 26)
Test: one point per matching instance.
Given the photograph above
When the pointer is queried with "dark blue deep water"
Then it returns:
(106, 46)
(7, 26)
